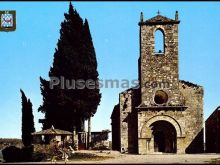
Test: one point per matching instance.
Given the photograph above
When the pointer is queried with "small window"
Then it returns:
(159, 42)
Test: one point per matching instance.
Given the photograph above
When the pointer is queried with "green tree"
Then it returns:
(74, 59)
(27, 120)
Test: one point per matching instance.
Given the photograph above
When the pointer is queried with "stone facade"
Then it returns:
(212, 130)
(164, 114)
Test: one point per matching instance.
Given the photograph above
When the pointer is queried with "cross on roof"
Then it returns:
(158, 12)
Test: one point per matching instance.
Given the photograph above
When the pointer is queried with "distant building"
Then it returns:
(50, 135)
(212, 132)
(99, 140)
(164, 114)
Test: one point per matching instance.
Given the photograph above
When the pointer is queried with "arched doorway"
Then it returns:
(165, 136)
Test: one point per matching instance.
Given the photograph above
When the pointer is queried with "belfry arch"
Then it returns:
(159, 41)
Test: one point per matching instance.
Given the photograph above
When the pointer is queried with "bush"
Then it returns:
(26, 153)
(14, 154)
(38, 156)
(11, 154)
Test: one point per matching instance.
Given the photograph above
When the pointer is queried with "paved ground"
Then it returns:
(155, 158)
(152, 158)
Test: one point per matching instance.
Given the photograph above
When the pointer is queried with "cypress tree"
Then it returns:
(74, 59)
(92, 96)
(27, 120)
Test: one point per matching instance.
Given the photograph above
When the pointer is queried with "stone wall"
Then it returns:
(212, 127)
(193, 115)
(128, 120)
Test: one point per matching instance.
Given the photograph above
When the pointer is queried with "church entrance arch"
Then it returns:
(165, 137)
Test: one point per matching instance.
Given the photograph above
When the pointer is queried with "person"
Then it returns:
(64, 155)
(55, 151)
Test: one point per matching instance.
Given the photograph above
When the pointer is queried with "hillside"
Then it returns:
(10, 141)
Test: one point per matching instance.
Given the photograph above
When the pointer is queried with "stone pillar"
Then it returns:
(142, 146)
(148, 146)
(151, 144)
(75, 138)
(89, 133)
(180, 145)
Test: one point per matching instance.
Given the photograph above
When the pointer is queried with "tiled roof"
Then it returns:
(52, 131)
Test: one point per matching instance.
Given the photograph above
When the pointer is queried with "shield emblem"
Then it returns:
(7, 20)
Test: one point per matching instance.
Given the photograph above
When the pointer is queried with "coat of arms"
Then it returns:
(8, 21)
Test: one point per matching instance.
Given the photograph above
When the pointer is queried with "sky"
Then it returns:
(27, 53)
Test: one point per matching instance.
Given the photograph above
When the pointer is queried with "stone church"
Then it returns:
(164, 114)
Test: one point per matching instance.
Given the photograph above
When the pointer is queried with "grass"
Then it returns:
(46, 153)
(87, 157)
(84, 157)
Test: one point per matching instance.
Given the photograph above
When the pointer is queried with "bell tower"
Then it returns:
(158, 69)
(164, 114)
